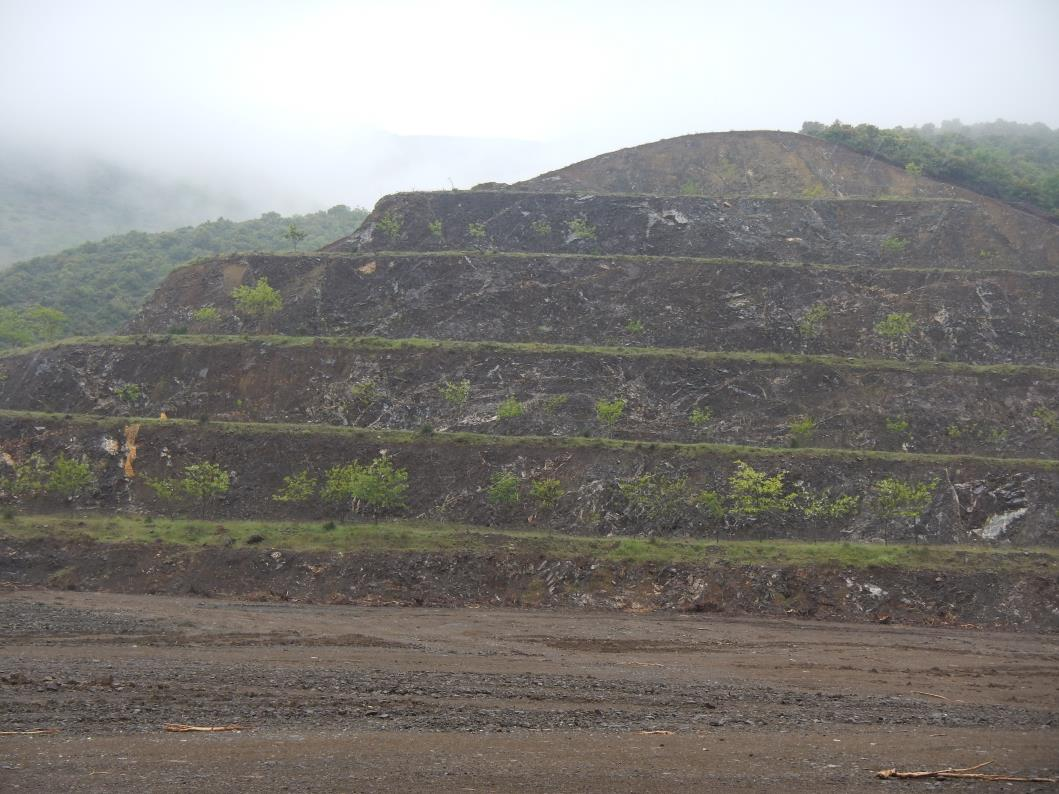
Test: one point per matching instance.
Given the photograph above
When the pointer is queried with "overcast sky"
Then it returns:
(301, 105)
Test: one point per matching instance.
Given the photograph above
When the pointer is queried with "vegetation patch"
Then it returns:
(434, 537)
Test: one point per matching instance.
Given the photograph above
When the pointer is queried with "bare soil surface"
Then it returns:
(344, 698)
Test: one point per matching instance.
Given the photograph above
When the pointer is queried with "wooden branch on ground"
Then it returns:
(179, 727)
(968, 773)
(929, 694)
(37, 732)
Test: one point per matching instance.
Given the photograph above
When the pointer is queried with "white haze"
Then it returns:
(298, 106)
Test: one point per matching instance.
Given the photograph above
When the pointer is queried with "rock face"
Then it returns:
(934, 234)
(660, 333)
(983, 318)
(749, 399)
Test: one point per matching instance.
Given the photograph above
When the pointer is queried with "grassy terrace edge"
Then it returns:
(732, 451)
(629, 258)
(369, 343)
(681, 196)
(412, 537)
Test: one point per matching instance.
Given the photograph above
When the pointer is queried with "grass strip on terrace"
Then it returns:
(372, 343)
(641, 259)
(411, 537)
(648, 259)
(731, 451)
(577, 194)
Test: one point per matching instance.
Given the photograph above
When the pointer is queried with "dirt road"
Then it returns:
(359, 699)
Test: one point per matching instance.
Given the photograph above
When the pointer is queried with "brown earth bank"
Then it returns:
(880, 233)
(744, 163)
(986, 317)
(524, 391)
(506, 578)
(450, 475)
(345, 698)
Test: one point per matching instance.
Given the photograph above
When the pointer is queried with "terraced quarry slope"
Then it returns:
(674, 395)
(722, 366)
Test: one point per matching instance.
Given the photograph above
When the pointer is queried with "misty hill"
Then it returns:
(1016, 163)
(100, 285)
(50, 202)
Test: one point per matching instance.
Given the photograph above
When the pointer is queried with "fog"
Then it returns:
(299, 106)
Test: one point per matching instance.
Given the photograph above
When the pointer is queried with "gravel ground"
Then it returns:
(340, 698)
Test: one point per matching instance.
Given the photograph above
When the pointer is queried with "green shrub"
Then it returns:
(752, 492)
(711, 503)
(294, 234)
(897, 425)
(509, 409)
(390, 225)
(545, 493)
(802, 430)
(206, 315)
(30, 478)
(580, 229)
(554, 403)
(897, 499)
(456, 393)
(656, 498)
(701, 416)
(893, 245)
(202, 482)
(503, 488)
(364, 392)
(258, 302)
(541, 228)
(897, 325)
(300, 487)
(129, 393)
(377, 487)
(166, 489)
(823, 505)
(69, 478)
(812, 323)
(1047, 417)
(435, 229)
(609, 412)
(634, 327)
(476, 231)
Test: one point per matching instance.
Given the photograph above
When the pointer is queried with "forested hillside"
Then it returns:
(99, 285)
(51, 201)
(1016, 163)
